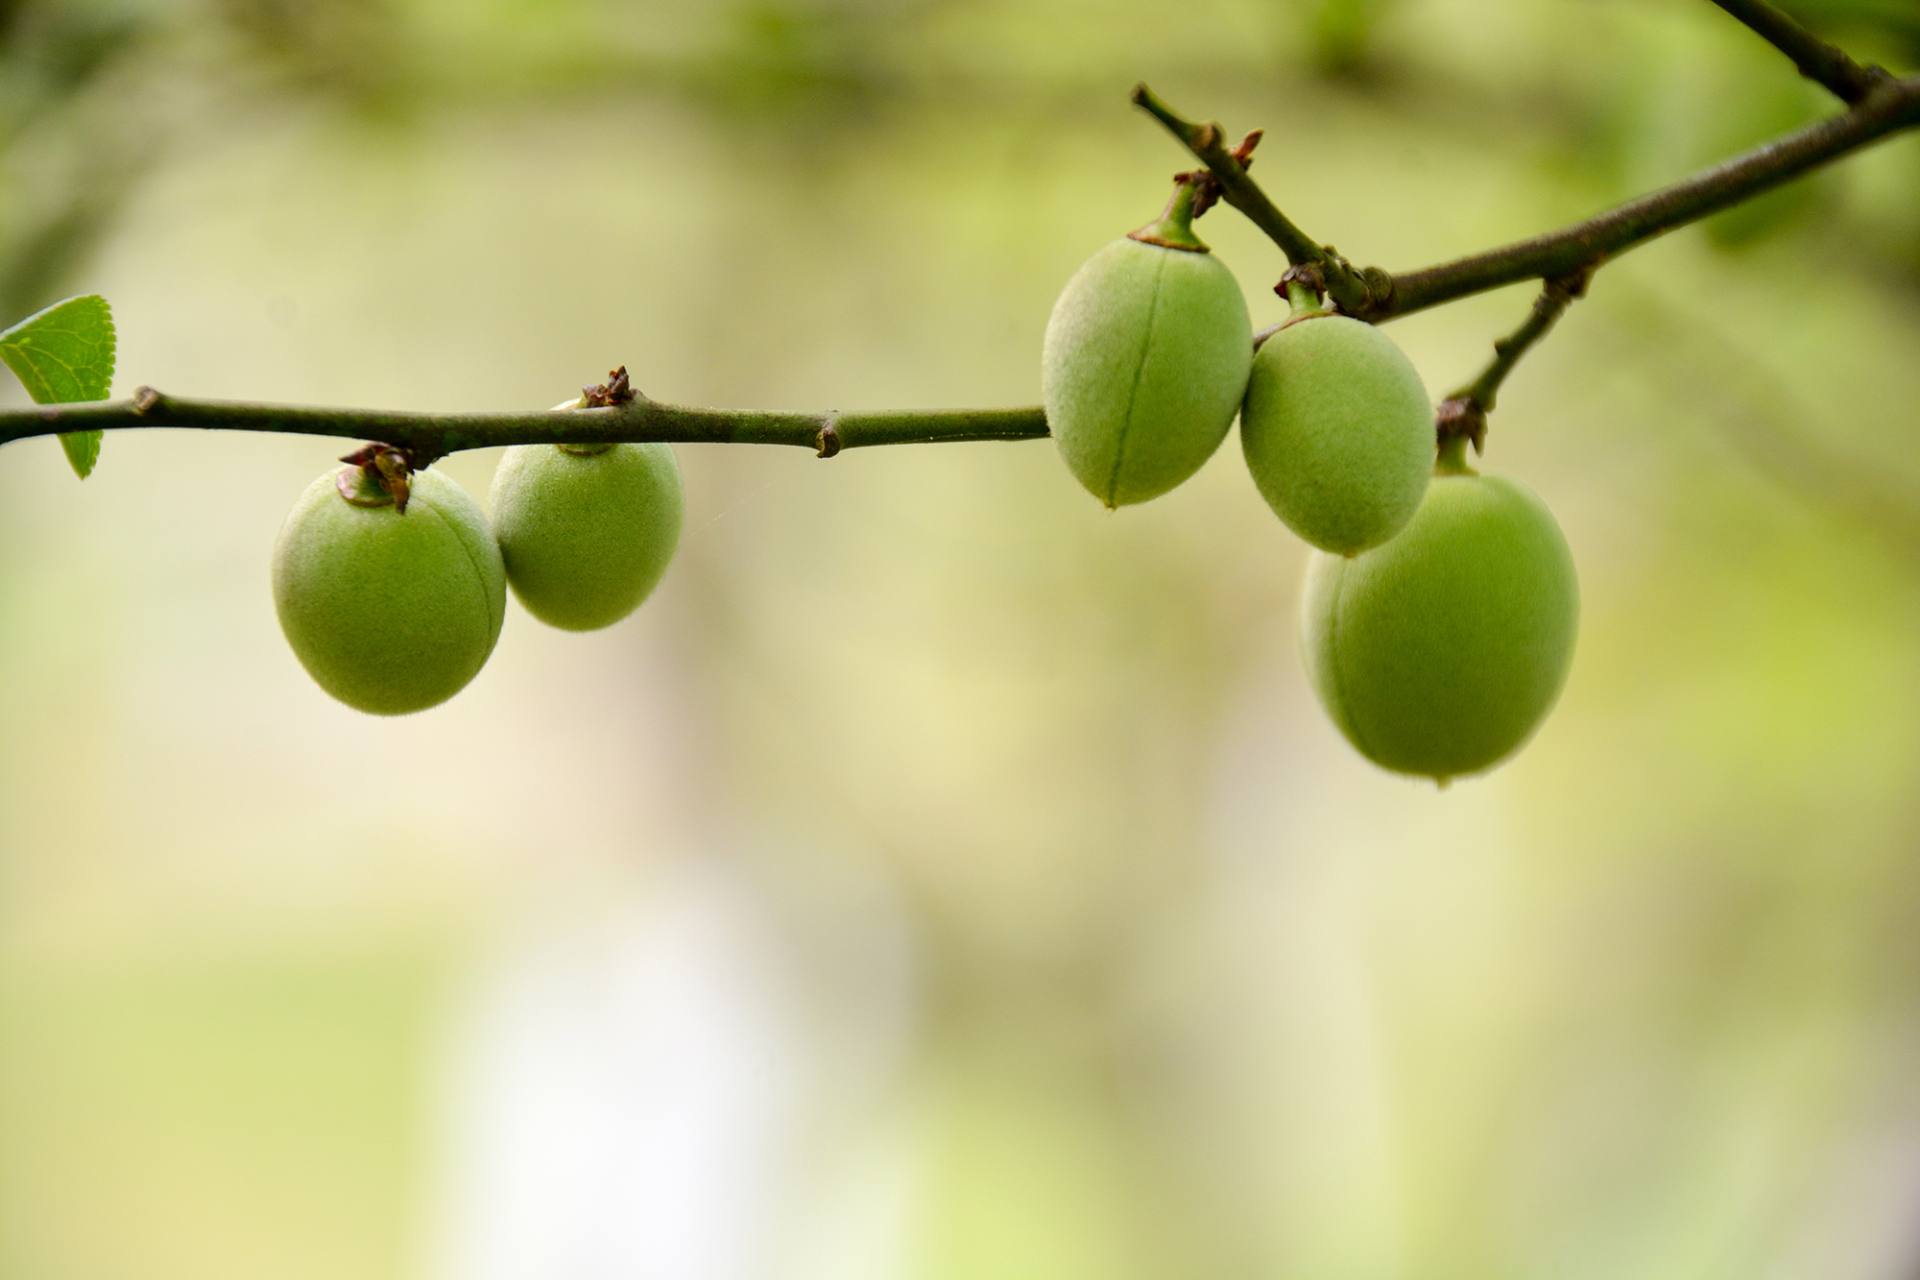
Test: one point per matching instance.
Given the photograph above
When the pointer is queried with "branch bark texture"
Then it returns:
(434, 435)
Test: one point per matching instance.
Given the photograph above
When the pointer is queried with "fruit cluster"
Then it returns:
(1440, 609)
(391, 585)
(1439, 613)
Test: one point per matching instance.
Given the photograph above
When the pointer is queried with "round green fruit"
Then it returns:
(586, 533)
(1440, 652)
(1338, 432)
(390, 613)
(1145, 361)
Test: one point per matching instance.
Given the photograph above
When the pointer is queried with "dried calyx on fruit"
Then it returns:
(388, 584)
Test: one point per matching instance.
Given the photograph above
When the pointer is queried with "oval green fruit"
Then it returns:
(389, 613)
(586, 535)
(1440, 652)
(1145, 361)
(1338, 432)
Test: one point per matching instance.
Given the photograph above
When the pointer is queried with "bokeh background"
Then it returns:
(941, 876)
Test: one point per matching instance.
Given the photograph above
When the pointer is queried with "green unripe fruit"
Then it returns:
(1440, 652)
(389, 613)
(1145, 361)
(586, 534)
(1338, 432)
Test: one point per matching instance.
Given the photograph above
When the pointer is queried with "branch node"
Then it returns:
(1376, 288)
(616, 390)
(827, 442)
(146, 400)
(381, 469)
(1308, 275)
(1207, 188)
(1572, 286)
(1460, 417)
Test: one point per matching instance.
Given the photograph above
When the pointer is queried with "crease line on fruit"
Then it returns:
(1133, 392)
(479, 578)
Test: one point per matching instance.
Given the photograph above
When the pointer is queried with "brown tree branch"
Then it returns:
(1887, 107)
(1893, 106)
(1818, 61)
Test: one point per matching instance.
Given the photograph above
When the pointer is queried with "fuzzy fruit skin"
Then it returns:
(1145, 361)
(586, 537)
(1440, 652)
(1338, 432)
(389, 613)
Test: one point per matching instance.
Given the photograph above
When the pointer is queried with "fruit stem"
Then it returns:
(1174, 227)
(1303, 299)
(1453, 458)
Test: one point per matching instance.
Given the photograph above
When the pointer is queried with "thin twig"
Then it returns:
(1208, 143)
(1820, 62)
(1464, 413)
(434, 435)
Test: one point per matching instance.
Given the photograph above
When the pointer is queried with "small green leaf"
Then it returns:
(65, 354)
(83, 450)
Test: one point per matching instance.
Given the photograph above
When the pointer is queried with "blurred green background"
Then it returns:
(943, 877)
